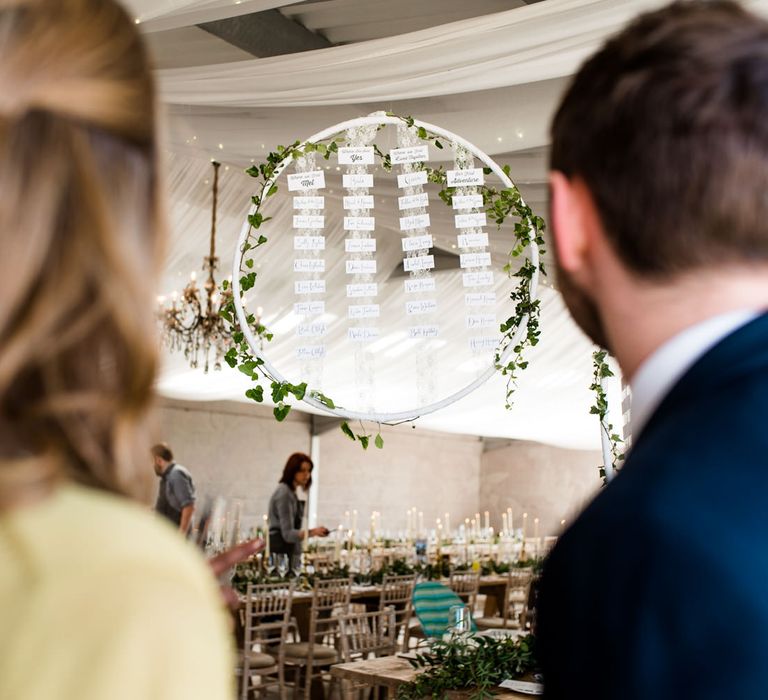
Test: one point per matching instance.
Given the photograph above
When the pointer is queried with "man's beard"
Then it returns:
(582, 308)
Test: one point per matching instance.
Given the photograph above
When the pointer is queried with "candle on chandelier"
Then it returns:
(504, 524)
(525, 525)
(354, 521)
(265, 518)
(409, 525)
(536, 528)
(509, 520)
(487, 520)
(421, 524)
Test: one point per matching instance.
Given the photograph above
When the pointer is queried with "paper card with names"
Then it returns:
(475, 259)
(465, 178)
(360, 245)
(409, 223)
(423, 331)
(477, 279)
(309, 308)
(312, 180)
(310, 352)
(309, 287)
(414, 179)
(309, 243)
(471, 220)
(425, 284)
(467, 201)
(413, 201)
(472, 240)
(420, 262)
(361, 267)
(309, 265)
(361, 334)
(422, 306)
(481, 321)
(310, 221)
(410, 154)
(357, 181)
(356, 155)
(363, 311)
(358, 201)
(363, 289)
(418, 243)
(483, 343)
(311, 330)
(359, 223)
(309, 202)
(480, 299)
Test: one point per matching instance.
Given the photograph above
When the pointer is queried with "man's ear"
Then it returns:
(566, 211)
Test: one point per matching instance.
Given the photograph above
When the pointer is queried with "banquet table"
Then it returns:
(392, 671)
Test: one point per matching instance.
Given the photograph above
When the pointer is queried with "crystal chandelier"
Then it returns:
(192, 322)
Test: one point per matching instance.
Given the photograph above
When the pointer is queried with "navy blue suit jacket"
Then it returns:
(660, 588)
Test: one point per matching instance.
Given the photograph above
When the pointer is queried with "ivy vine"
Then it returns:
(499, 205)
(601, 370)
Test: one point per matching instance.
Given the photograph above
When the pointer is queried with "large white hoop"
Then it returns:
(401, 416)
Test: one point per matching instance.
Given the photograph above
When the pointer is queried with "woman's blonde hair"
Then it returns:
(80, 230)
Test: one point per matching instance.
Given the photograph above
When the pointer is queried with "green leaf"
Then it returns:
(379, 441)
(347, 431)
(231, 357)
(281, 411)
(272, 190)
(323, 399)
(298, 390)
(262, 240)
(247, 281)
(364, 440)
(438, 144)
(255, 219)
(255, 394)
(249, 263)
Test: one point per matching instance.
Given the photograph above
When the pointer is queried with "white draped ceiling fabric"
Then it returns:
(495, 79)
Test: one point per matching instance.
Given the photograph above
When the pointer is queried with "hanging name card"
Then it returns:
(362, 334)
(412, 179)
(363, 311)
(359, 201)
(480, 299)
(465, 178)
(472, 240)
(309, 308)
(309, 265)
(360, 245)
(355, 181)
(310, 352)
(481, 321)
(309, 202)
(408, 223)
(311, 330)
(308, 221)
(359, 223)
(482, 343)
(314, 180)
(418, 242)
(413, 201)
(308, 243)
(420, 262)
(361, 267)
(477, 279)
(423, 306)
(309, 287)
(411, 154)
(365, 289)
(470, 220)
(467, 201)
(426, 284)
(475, 259)
(423, 332)
(356, 155)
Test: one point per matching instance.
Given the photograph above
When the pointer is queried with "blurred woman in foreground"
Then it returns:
(98, 598)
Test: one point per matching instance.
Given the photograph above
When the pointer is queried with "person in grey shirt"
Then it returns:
(286, 511)
(176, 495)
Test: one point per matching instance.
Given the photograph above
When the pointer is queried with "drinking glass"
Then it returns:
(296, 565)
(282, 565)
(459, 621)
(270, 564)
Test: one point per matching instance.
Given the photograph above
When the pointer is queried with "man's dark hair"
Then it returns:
(668, 127)
(163, 451)
(293, 466)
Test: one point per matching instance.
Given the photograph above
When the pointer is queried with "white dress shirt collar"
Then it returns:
(669, 362)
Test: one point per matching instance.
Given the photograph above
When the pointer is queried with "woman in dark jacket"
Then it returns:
(286, 511)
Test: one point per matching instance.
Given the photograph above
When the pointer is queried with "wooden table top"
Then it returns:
(392, 671)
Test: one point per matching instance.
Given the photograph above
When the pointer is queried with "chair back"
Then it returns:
(466, 584)
(330, 599)
(432, 602)
(365, 634)
(397, 593)
(267, 612)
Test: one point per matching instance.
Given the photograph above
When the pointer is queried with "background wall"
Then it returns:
(237, 451)
(549, 483)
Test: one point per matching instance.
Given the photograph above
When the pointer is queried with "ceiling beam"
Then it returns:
(265, 34)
